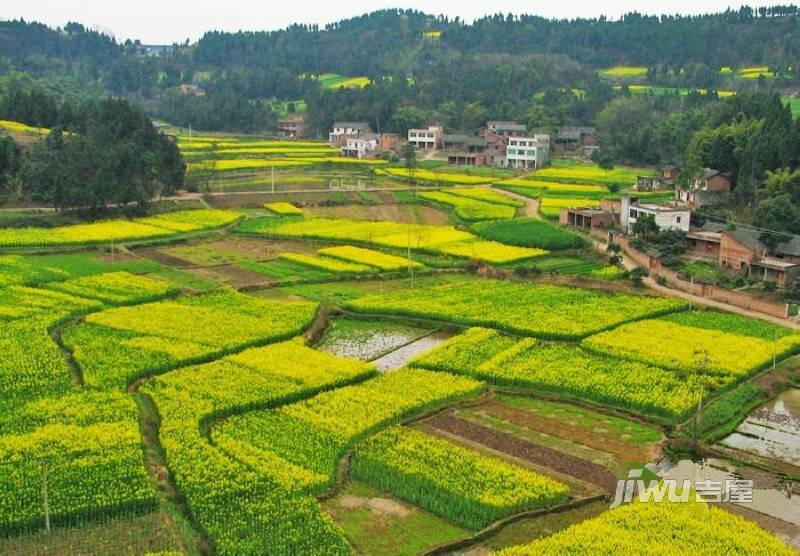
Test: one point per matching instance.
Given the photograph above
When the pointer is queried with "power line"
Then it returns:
(746, 226)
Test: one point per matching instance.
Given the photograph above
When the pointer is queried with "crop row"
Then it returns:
(485, 195)
(470, 209)
(462, 485)
(544, 311)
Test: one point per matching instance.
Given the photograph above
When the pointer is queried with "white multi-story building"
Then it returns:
(426, 139)
(342, 131)
(361, 147)
(666, 217)
(527, 152)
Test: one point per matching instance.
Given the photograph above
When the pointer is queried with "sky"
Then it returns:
(168, 21)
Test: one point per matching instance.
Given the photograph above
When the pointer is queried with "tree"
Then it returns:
(645, 227)
(474, 116)
(604, 160)
(409, 155)
(407, 117)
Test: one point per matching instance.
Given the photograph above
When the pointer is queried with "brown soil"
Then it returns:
(380, 506)
(525, 450)
(163, 258)
(624, 452)
(234, 276)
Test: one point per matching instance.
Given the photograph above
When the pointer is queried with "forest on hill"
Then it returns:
(711, 90)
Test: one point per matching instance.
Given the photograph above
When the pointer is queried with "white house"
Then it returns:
(361, 147)
(527, 152)
(342, 131)
(426, 139)
(666, 217)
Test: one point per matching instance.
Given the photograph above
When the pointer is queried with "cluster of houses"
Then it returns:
(739, 249)
(501, 144)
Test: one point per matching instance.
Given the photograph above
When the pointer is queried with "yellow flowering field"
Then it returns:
(326, 263)
(224, 484)
(462, 485)
(540, 310)
(114, 287)
(551, 206)
(117, 230)
(432, 239)
(438, 177)
(19, 127)
(284, 209)
(486, 195)
(225, 143)
(567, 370)
(315, 433)
(672, 528)
(554, 189)
(685, 348)
(471, 209)
(118, 345)
(368, 257)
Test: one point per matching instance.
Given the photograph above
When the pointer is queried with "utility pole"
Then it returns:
(273, 179)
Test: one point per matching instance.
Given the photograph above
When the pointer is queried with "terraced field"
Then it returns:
(224, 389)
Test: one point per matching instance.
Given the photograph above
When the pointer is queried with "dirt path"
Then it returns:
(651, 283)
(539, 455)
(598, 441)
(531, 205)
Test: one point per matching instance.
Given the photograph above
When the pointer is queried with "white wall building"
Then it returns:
(666, 218)
(528, 152)
(426, 139)
(361, 147)
(342, 131)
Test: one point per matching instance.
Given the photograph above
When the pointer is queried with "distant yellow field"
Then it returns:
(17, 127)
(624, 71)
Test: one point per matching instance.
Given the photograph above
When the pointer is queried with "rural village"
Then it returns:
(403, 285)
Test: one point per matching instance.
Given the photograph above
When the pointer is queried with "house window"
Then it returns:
(678, 219)
(633, 213)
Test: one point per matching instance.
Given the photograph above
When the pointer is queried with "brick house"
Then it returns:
(292, 127)
(742, 250)
(709, 187)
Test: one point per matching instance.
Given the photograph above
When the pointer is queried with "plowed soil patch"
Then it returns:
(622, 451)
(522, 449)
